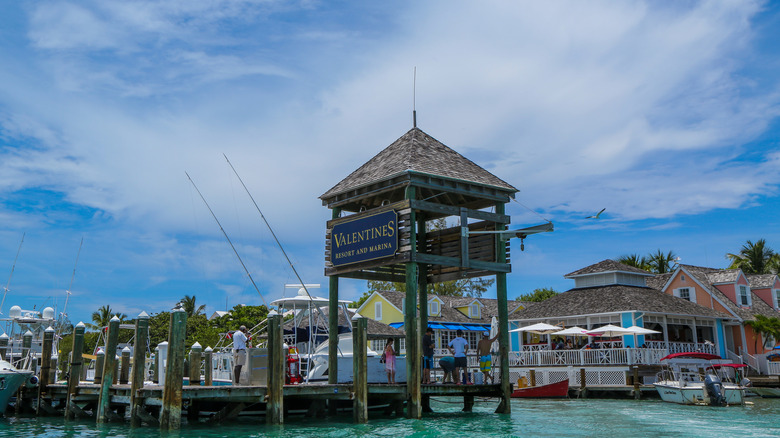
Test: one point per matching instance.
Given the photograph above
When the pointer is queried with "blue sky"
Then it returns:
(664, 113)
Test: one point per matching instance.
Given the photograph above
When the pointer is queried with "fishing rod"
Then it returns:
(70, 287)
(7, 285)
(228, 239)
(319, 311)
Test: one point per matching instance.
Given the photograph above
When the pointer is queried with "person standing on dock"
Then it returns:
(239, 352)
(427, 346)
(485, 358)
(458, 347)
(390, 361)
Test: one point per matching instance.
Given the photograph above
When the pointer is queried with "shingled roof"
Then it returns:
(761, 281)
(710, 276)
(417, 151)
(450, 314)
(611, 299)
(607, 266)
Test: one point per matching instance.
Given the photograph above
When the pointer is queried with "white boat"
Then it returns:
(692, 379)
(11, 379)
(765, 391)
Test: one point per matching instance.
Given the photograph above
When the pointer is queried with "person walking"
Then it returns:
(458, 348)
(427, 349)
(390, 361)
(485, 358)
(239, 352)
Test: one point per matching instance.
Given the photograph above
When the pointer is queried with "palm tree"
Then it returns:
(189, 306)
(755, 258)
(661, 263)
(766, 327)
(634, 260)
(103, 315)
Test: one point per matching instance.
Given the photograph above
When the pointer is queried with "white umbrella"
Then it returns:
(609, 331)
(540, 328)
(572, 331)
(640, 331)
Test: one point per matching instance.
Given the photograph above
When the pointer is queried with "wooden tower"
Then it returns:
(378, 232)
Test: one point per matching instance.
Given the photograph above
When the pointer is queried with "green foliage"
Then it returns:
(767, 327)
(634, 260)
(362, 299)
(538, 295)
(192, 309)
(657, 263)
(755, 258)
(103, 315)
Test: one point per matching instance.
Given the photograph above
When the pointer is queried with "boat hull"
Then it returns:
(10, 381)
(766, 392)
(553, 390)
(696, 394)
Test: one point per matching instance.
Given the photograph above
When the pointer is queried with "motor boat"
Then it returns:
(694, 379)
(11, 379)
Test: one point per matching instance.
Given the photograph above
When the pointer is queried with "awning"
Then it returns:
(454, 327)
(396, 324)
(478, 328)
(436, 326)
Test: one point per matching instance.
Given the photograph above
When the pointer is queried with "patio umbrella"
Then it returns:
(609, 331)
(640, 331)
(540, 328)
(572, 331)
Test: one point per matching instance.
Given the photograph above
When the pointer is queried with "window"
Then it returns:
(777, 299)
(378, 311)
(682, 278)
(474, 310)
(744, 296)
(686, 293)
(433, 308)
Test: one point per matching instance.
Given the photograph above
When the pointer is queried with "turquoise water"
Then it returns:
(542, 418)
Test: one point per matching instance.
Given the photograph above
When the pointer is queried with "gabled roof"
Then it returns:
(449, 313)
(708, 277)
(659, 280)
(374, 328)
(612, 299)
(417, 151)
(761, 281)
(607, 266)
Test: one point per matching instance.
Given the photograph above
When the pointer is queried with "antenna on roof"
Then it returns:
(414, 99)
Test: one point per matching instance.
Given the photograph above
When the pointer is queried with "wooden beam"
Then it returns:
(451, 210)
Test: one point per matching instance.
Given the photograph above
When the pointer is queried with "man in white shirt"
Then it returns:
(239, 352)
(458, 347)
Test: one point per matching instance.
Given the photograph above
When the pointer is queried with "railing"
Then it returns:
(773, 368)
(545, 347)
(606, 356)
(683, 347)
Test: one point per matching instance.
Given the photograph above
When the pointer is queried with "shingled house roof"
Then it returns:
(450, 314)
(611, 299)
(710, 276)
(658, 281)
(761, 281)
(607, 266)
(417, 151)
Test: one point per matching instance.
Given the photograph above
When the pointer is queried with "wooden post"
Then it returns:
(532, 377)
(333, 328)
(139, 362)
(100, 359)
(170, 414)
(75, 366)
(583, 392)
(109, 367)
(637, 392)
(124, 369)
(3, 346)
(26, 347)
(195, 360)
(504, 407)
(274, 408)
(43, 383)
(208, 380)
(411, 321)
(115, 374)
(360, 369)
(422, 278)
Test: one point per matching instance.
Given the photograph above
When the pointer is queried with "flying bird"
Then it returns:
(596, 216)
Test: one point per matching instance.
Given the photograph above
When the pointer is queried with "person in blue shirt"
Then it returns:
(459, 346)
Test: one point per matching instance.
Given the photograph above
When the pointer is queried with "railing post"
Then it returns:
(75, 366)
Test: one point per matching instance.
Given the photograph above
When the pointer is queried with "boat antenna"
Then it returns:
(228, 239)
(8, 284)
(72, 277)
(273, 234)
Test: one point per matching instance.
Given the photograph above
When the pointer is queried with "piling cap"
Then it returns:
(196, 345)
(143, 315)
(4, 336)
(208, 349)
(49, 329)
(80, 324)
(126, 349)
(273, 313)
(357, 316)
(114, 319)
(28, 333)
(101, 352)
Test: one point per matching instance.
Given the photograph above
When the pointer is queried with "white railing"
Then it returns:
(752, 361)
(545, 347)
(773, 368)
(683, 347)
(605, 356)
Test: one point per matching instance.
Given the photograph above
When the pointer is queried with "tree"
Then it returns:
(538, 295)
(766, 327)
(661, 263)
(634, 260)
(103, 315)
(188, 303)
(755, 258)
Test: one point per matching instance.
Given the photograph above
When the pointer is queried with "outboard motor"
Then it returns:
(715, 390)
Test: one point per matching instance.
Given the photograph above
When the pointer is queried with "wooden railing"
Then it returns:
(605, 356)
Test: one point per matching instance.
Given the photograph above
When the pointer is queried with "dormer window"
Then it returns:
(433, 308)
(685, 293)
(474, 311)
(744, 296)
